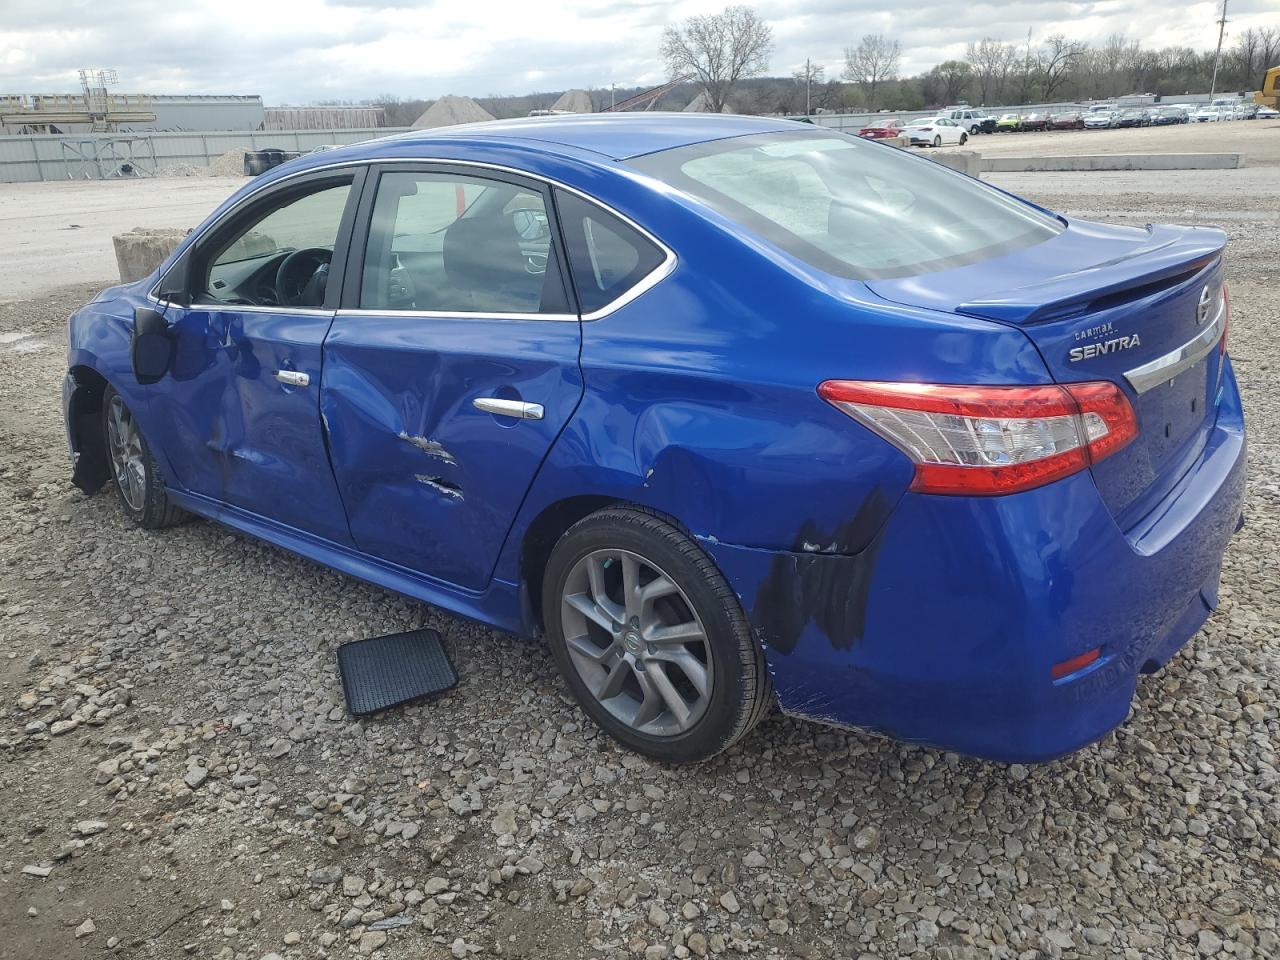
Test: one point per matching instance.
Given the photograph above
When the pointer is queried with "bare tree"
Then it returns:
(991, 61)
(871, 63)
(1056, 58)
(719, 49)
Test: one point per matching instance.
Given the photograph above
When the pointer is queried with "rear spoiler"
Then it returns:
(1171, 255)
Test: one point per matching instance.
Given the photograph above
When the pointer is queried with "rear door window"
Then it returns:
(458, 244)
(607, 256)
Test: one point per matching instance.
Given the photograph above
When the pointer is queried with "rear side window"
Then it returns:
(607, 257)
(851, 207)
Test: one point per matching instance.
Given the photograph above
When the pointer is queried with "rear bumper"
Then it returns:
(944, 631)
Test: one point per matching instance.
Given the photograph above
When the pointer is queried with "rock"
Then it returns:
(371, 942)
(867, 840)
(504, 823)
(31, 870)
(195, 776)
(88, 828)
(142, 249)
(729, 901)
(227, 906)
(754, 859)
(63, 726)
(292, 938)
(86, 929)
(352, 886)
(324, 876)
(434, 886)
(658, 917)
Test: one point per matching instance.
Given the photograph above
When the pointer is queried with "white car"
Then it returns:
(1099, 119)
(1267, 113)
(1206, 115)
(935, 132)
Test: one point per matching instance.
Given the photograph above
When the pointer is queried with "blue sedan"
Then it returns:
(733, 412)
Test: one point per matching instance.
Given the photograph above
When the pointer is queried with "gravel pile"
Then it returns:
(178, 775)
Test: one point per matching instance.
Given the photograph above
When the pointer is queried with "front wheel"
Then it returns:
(650, 638)
(964, 138)
(937, 140)
(134, 470)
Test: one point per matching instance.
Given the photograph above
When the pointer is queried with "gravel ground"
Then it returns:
(178, 776)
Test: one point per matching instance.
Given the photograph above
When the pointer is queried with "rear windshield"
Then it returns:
(850, 207)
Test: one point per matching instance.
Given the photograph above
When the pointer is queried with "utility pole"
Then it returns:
(1217, 55)
(808, 87)
(613, 96)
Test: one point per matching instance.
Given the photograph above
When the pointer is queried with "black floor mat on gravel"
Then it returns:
(383, 672)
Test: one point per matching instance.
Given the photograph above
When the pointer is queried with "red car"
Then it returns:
(883, 130)
(1067, 121)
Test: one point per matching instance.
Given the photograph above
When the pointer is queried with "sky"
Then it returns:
(302, 51)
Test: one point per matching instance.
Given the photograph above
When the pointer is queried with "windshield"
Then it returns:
(851, 207)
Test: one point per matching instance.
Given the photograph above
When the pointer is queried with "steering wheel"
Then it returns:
(302, 277)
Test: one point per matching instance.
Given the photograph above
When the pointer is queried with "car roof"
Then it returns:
(618, 136)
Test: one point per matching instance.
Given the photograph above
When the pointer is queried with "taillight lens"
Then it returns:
(986, 441)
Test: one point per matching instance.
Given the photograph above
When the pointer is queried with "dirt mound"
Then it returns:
(230, 164)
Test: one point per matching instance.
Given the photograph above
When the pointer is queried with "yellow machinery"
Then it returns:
(1269, 95)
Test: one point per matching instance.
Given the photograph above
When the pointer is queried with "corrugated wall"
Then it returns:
(28, 158)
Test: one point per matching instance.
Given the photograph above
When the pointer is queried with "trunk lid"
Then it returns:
(1100, 302)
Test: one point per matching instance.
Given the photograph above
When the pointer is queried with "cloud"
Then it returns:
(297, 51)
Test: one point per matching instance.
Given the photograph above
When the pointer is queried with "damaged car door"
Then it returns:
(451, 366)
(241, 404)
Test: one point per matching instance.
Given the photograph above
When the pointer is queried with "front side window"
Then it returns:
(281, 258)
(451, 243)
(850, 207)
(607, 256)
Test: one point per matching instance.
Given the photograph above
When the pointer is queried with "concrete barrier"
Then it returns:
(966, 161)
(142, 249)
(1114, 161)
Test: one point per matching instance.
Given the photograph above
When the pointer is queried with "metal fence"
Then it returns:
(82, 156)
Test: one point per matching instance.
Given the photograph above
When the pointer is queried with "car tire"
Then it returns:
(937, 139)
(610, 651)
(134, 472)
(964, 138)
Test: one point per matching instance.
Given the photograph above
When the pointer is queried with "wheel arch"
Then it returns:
(550, 524)
(86, 389)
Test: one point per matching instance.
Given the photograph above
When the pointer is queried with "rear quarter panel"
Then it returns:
(701, 395)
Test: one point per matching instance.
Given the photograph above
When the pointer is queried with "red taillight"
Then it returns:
(1226, 320)
(986, 441)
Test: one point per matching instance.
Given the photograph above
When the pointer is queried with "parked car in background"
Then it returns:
(1132, 117)
(1267, 113)
(1165, 116)
(935, 132)
(1099, 119)
(1207, 115)
(1071, 120)
(883, 129)
(1009, 123)
(727, 411)
(1035, 121)
(973, 121)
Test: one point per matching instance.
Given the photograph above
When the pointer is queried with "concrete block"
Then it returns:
(142, 249)
(968, 162)
(1114, 161)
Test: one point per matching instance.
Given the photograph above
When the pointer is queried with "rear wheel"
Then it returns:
(134, 470)
(650, 638)
(964, 138)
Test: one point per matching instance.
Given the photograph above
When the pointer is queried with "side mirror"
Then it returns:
(151, 346)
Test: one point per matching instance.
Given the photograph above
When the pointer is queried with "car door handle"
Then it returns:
(509, 408)
(294, 378)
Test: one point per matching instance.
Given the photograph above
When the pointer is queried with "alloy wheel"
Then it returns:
(127, 460)
(636, 642)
